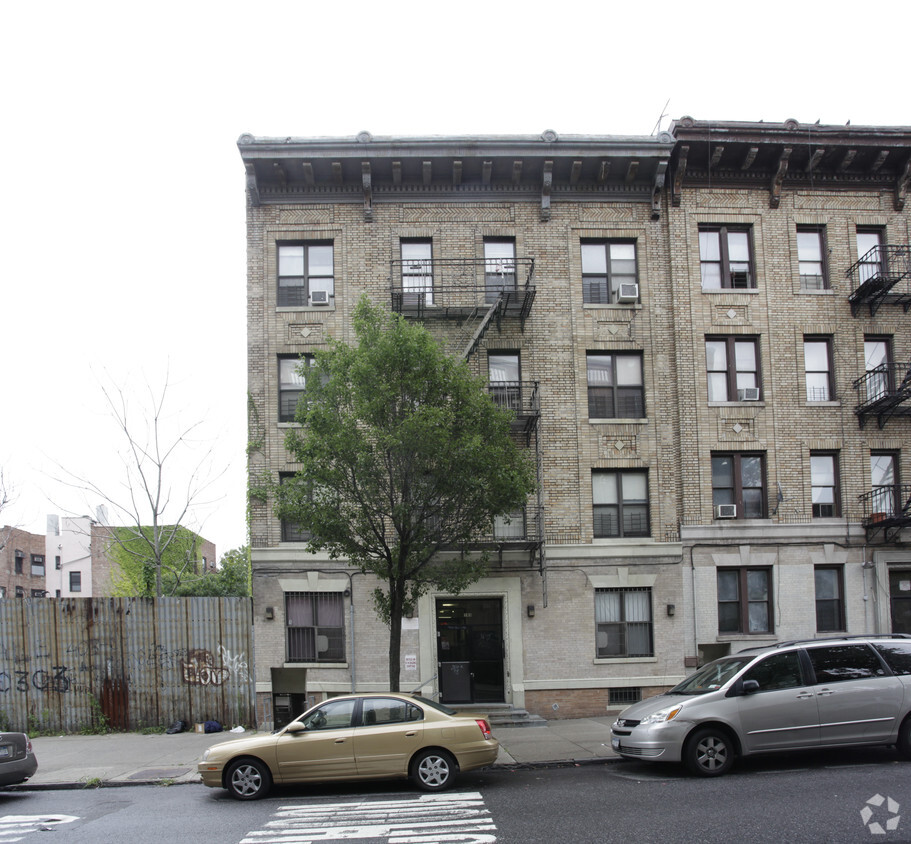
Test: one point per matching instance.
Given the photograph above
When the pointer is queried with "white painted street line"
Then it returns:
(16, 827)
(423, 819)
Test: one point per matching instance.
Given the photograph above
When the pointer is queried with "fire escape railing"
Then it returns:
(454, 288)
(881, 277)
(884, 392)
(523, 398)
(886, 509)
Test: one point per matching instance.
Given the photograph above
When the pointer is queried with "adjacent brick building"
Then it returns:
(22, 563)
(671, 319)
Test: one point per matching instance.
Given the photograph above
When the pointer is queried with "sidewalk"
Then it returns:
(124, 759)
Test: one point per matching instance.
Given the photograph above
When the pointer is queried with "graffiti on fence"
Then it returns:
(54, 680)
(199, 667)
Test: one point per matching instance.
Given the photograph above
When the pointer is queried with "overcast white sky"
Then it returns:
(123, 191)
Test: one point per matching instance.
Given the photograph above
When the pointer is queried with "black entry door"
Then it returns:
(900, 592)
(470, 650)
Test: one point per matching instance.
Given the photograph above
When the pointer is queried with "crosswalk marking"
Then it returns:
(424, 819)
(16, 827)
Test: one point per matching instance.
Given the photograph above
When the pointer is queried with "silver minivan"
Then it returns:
(793, 696)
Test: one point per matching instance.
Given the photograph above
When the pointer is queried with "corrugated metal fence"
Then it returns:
(69, 664)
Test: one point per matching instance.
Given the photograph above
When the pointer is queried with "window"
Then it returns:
(75, 581)
(291, 383)
(824, 485)
(884, 483)
(869, 253)
(505, 379)
(623, 623)
(743, 600)
(811, 258)
(2, 591)
(724, 255)
(57, 563)
(292, 532)
(499, 267)
(37, 565)
(304, 269)
(20, 592)
(739, 479)
(38, 593)
(620, 503)
(877, 357)
(316, 626)
(839, 663)
(332, 715)
(615, 389)
(623, 695)
(510, 526)
(378, 711)
(817, 364)
(19, 562)
(605, 266)
(778, 671)
(830, 606)
(417, 271)
(732, 364)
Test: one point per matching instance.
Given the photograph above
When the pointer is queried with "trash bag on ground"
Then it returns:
(177, 727)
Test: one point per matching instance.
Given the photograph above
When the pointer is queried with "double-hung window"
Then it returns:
(870, 253)
(877, 359)
(615, 389)
(316, 626)
(417, 271)
(504, 372)
(732, 366)
(623, 623)
(291, 531)
(609, 272)
(830, 605)
(75, 581)
(18, 563)
(884, 483)
(37, 565)
(499, 267)
(306, 274)
(725, 258)
(292, 381)
(738, 480)
(620, 503)
(811, 257)
(824, 485)
(817, 362)
(744, 604)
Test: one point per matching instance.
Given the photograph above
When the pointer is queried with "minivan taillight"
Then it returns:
(485, 727)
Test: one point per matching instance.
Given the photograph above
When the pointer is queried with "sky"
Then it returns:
(122, 267)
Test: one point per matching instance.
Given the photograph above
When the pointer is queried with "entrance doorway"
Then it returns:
(470, 650)
(900, 599)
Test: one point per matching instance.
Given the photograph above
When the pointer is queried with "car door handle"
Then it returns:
(340, 741)
(804, 695)
(411, 734)
(825, 692)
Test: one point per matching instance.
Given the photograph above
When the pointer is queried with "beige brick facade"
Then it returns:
(550, 195)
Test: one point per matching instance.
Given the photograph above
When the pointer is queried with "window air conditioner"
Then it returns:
(628, 292)
(748, 394)
(319, 297)
(725, 511)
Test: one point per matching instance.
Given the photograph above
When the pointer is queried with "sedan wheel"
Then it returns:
(709, 753)
(248, 779)
(433, 770)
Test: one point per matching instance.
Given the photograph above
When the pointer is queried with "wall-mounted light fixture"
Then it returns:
(530, 609)
(270, 613)
(671, 609)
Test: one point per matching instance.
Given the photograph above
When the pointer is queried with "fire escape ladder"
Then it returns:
(475, 337)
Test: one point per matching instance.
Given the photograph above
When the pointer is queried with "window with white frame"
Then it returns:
(811, 257)
(417, 270)
(606, 265)
(615, 388)
(306, 274)
(623, 623)
(824, 483)
(870, 252)
(620, 503)
(316, 626)
(499, 267)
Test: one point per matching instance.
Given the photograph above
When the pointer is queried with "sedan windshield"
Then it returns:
(712, 675)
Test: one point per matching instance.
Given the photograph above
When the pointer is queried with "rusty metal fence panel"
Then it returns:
(78, 664)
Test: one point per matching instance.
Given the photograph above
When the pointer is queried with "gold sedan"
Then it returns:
(356, 737)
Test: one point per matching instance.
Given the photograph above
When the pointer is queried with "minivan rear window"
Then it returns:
(837, 663)
(897, 656)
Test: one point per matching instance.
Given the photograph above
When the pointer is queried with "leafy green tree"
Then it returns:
(404, 461)
(232, 578)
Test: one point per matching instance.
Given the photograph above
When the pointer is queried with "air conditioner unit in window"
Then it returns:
(628, 292)
(748, 394)
(725, 511)
(319, 297)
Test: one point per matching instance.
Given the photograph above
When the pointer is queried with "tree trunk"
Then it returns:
(396, 599)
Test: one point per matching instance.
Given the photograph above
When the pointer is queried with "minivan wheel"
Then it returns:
(903, 745)
(709, 752)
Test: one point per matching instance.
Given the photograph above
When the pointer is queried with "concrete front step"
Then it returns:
(505, 715)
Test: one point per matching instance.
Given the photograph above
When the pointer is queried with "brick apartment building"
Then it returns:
(702, 335)
(22, 563)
